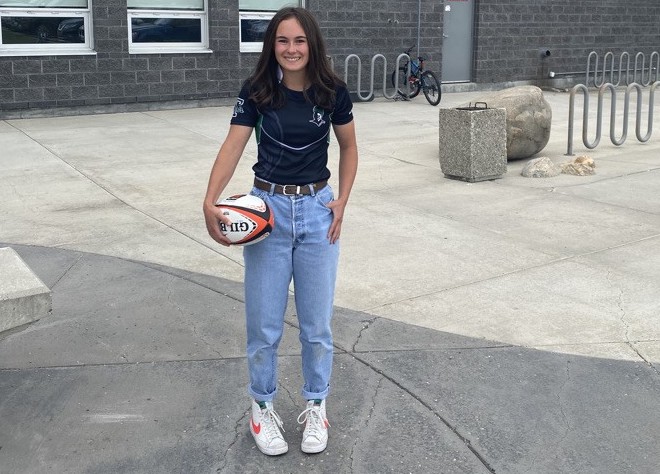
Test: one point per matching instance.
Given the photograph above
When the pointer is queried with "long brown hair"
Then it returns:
(264, 84)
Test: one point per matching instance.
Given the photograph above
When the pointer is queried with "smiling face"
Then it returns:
(291, 49)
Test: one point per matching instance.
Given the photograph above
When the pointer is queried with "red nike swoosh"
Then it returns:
(255, 428)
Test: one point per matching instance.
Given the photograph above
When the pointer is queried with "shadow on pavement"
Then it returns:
(140, 368)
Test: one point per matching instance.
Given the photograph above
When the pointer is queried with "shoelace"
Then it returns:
(271, 420)
(315, 423)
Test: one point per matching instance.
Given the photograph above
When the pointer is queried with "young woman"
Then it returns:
(292, 99)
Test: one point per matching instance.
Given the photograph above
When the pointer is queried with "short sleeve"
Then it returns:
(245, 110)
(343, 112)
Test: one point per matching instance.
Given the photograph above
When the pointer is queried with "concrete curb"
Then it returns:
(23, 296)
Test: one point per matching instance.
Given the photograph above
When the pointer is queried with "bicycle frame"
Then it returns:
(417, 78)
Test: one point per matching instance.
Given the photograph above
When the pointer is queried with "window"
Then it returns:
(167, 26)
(254, 17)
(45, 27)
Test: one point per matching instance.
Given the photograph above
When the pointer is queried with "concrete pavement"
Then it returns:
(507, 326)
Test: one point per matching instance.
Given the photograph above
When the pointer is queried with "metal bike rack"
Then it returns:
(599, 119)
(638, 72)
(385, 75)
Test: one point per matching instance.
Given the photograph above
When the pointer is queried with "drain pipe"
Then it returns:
(419, 25)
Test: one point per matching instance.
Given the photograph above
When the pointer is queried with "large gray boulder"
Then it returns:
(528, 119)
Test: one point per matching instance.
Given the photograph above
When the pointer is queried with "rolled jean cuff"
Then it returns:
(261, 397)
(315, 395)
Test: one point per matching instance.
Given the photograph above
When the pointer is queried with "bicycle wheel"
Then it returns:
(415, 85)
(431, 87)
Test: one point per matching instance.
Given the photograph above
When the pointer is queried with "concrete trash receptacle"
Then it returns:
(473, 142)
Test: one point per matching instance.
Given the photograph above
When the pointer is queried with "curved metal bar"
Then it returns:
(585, 118)
(571, 114)
(359, 76)
(586, 79)
(612, 88)
(655, 55)
(635, 81)
(599, 118)
(610, 55)
(373, 65)
(627, 79)
(640, 73)
(370, 95)
(599, 124)
(408, 72)
(638, 115)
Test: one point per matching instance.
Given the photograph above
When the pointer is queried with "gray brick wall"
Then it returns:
(114, 76)
(508, 35)
(367, 28)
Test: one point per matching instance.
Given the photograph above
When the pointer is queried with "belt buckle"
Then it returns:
(284, 186)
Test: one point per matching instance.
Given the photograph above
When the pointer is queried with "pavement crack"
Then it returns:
(454, 429)
(545, 450)
(288, 394)
(620, 306)
(66, 272)
(238, 432)
(365, 325)
(631, 344)
(366, 421)
(626, 326)
(560, 403)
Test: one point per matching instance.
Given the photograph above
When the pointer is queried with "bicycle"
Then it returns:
(419, 79)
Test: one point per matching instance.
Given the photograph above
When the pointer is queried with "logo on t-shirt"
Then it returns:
(317, 116)
(238, 108)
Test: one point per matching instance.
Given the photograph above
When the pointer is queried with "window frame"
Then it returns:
(251, 46)
(51, 49)
(249, 14)
(169, 48)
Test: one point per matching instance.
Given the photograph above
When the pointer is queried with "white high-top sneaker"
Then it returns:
(315, 436)
(265, 426)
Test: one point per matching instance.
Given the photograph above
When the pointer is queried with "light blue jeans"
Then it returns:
(298, 249)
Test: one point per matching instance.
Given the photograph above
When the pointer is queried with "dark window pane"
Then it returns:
(166, 30)
(42, 29)
(253, 30)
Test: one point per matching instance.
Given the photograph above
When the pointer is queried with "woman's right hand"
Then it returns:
(222, 171)
(213, 216)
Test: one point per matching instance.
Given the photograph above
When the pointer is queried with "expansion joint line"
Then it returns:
(126, 203)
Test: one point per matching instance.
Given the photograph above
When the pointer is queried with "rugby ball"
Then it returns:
(252, 220)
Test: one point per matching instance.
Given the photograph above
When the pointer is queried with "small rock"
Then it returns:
(580, 166)
(542, 167)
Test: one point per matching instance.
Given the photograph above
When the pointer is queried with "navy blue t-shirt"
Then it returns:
(293, 140)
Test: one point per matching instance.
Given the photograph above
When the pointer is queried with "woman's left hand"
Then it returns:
(337, 208)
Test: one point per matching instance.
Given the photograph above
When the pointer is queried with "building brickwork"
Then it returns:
(510, 33)
(507, 37)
